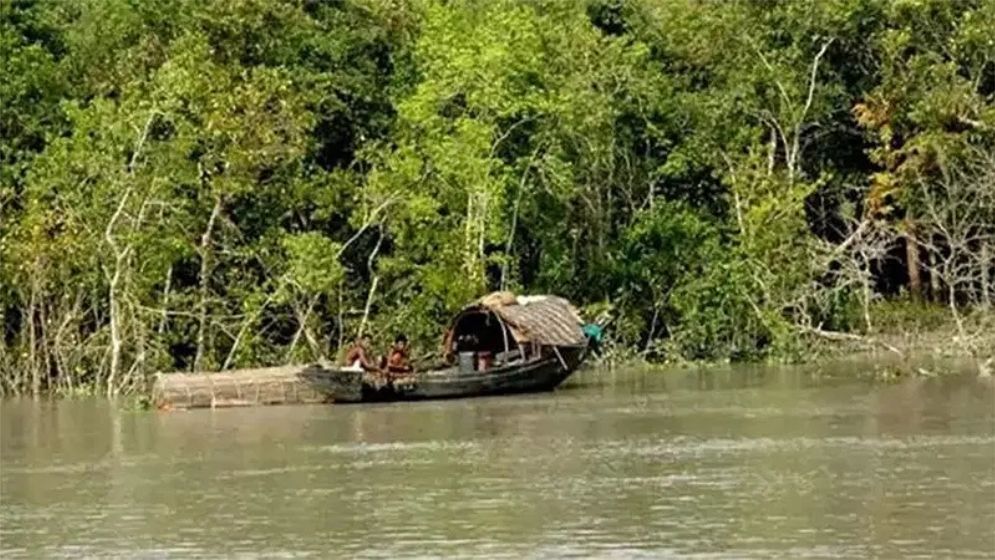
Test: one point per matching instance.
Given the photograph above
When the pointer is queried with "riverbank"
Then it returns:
(905, 339)
(913, 335)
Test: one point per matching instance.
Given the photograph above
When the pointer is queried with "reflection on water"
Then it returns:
(749, 462)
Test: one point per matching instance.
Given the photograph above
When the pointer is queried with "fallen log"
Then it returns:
(246, 387)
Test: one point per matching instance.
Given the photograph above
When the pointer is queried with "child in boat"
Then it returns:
(397, 361)
(357, 357)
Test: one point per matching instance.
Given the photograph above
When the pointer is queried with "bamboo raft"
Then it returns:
(246, 387)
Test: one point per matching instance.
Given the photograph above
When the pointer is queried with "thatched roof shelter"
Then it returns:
(543, 320)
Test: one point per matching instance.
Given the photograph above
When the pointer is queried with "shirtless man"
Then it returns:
(358, 355)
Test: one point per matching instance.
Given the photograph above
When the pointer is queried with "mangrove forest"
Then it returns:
(202, 186)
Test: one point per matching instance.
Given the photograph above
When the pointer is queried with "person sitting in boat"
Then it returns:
(357, 357)
(467, 343)
(397, 361)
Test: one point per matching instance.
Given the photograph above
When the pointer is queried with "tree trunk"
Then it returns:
(369, 304)
(986, 271)
(912, 263)
(32, 341)
(165, 301)
(340, 321)
(866, 282)
(115, 320)
(66, 365)
(120, 261)
(205, 271)
(934, 277)
(113, 300)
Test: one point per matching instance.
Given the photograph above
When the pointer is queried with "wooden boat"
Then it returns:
(520, 344)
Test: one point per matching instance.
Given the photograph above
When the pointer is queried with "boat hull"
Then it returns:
(543, 374)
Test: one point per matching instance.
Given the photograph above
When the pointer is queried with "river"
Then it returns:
(734, 462)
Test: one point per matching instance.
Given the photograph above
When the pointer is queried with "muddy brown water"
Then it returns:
(735, 462)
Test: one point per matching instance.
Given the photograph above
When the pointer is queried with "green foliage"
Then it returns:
(718, 316)
(188, 184)
(313, 264)
(910, 316)
(934, 100)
